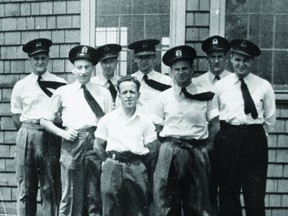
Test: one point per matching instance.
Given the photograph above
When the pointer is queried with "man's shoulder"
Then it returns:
(200, 79)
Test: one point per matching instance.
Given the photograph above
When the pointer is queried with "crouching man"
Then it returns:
(123, 139)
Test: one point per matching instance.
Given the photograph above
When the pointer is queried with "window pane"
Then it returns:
(265, 23)
(126, 21)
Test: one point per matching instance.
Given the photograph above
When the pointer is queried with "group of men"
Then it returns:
(143, 144)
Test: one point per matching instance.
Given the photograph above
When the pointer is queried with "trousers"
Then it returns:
(72, 161)
(242, 160)
(37, 161)
(181, 179)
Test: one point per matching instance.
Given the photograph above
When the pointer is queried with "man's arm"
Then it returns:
(213, 128)
(16, 120)
(69, 134)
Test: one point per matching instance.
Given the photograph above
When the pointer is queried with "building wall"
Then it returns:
(197, 29)
(21, 21)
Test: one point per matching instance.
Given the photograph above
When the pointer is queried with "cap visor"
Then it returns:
(146, 53)
(241, 52)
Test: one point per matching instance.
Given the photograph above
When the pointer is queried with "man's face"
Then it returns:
(39, 63)
(241, 64)
(182, 72)
(108, 67)
(83, 69)
(128, 94)
(145, 63)
(217, 61)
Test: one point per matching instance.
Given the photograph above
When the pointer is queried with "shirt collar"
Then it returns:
(103, 80)
(150, 75)
(135, 115)
(212, 76)
(236, 78)
(44, 76)
(192, 88)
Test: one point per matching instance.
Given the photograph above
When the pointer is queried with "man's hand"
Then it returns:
(70, 134)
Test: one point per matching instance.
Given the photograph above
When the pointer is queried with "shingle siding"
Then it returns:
(21, 21)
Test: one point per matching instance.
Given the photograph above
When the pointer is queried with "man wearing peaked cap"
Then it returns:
(245, 47)
(183, 114)
(40, 45)
(247, 109)
(109, 54)
(152, 82)
(84, 52)
(216, 48)
(35, 146)
(179, 53)
(81, 105)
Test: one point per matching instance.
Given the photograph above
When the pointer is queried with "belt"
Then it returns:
(225, 125)
(186, 143)
(84, 130)
(32, 124)
(32, 121)
(125, 157)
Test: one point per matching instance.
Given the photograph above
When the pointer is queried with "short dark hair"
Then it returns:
(128, 78)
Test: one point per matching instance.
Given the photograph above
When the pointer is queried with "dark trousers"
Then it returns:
(37, 160)
(242, 157)
(213, 184)
(181, 181)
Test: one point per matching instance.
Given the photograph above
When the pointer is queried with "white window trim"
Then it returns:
(217, 17)
(177, 22)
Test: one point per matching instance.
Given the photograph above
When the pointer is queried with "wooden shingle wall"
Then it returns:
(21, 21)
(197, 30)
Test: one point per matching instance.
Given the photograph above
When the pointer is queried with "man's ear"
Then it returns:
(72, 67)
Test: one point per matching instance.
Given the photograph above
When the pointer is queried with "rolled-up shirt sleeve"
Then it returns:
(158, 117)
(212, 109)
(102, 130)
(53, 108)
(16, 102)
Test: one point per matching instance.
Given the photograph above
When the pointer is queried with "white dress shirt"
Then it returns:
(149, 95)
(231, 104)
(102, 81)
(75, 110)
(182, 117)
(208, 80)
(28, 99)
(126, 134)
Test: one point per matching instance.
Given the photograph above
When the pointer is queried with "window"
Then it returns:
(126, 21)
(163, 19)
(265, 23)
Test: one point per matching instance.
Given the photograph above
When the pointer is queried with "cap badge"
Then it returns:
(178, 53)
(38, 44)
(215, 41)
(84, 50)
(244, 44)
(106, 49)
(145, 45)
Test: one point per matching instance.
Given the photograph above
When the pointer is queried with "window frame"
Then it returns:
(177, 22)
(217, 27)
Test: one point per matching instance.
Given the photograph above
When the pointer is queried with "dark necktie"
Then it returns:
(112, 90)
(205, 96)
(155, 85)
(92, 103)
(217, 77)
(48, 84)
(249, 106)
